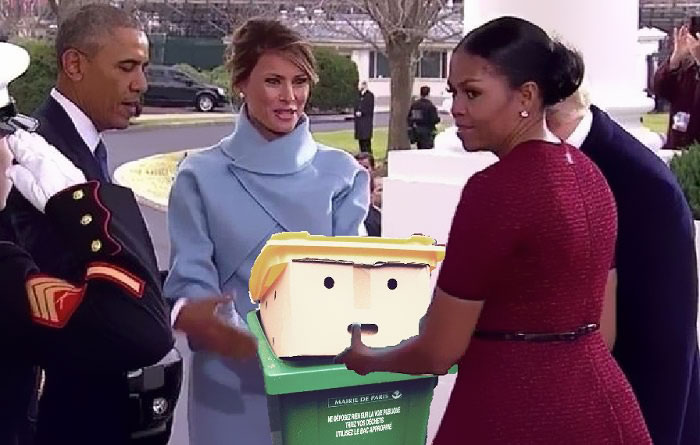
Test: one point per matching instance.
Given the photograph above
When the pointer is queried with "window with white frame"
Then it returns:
(431, 65)
(378, 66)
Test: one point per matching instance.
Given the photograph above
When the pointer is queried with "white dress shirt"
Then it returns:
(579, 135)
(86, 129)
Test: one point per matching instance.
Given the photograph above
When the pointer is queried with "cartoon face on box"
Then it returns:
(314, 292)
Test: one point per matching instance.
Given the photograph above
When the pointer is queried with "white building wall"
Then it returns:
(381, 87)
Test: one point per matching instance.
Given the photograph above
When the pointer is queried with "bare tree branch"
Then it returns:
(395, 28)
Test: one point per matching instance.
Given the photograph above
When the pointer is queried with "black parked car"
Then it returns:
(170, 86)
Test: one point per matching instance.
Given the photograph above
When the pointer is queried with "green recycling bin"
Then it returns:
(316, 402)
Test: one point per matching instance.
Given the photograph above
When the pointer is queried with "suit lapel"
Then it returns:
(599, 136)
(59, 130)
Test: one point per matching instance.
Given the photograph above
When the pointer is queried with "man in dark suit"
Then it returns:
(422, 119)
(102, 53)
(657, 291)
(373, 221)
(113, 318)
(364, 118)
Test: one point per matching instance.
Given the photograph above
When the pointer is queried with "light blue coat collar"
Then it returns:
(288, 154)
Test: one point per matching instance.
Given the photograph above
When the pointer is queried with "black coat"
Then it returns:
(373, 221)
(111, 321)
(364, 123)
(423, 114)
(657, 295)
(53, 253)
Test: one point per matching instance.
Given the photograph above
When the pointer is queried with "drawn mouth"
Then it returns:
(366, 328)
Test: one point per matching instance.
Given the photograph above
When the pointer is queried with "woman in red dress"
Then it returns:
(523, 298)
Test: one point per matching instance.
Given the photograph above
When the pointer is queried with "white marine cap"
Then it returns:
(15, 61)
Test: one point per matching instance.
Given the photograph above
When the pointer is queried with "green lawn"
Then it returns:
(345, 140)
(151, 177)
(657, 122)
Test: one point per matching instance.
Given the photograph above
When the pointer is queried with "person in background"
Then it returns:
(524, 294)
(373, 222)
(364, 118)
(377, 190)
(366, 160)
(678, 81)
(276, 178)
(422, 119)
(656, 269)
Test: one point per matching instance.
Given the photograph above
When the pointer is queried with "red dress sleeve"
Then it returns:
(482, 236)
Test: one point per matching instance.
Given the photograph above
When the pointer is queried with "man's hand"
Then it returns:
(42, 171)
(208, 331)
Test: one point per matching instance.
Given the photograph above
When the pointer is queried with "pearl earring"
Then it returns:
(524, 114)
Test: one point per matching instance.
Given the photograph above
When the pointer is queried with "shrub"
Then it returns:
(30, 89)
(335, 92)
(338, 79)
(218, 76)
(193, 72)
(686, 167)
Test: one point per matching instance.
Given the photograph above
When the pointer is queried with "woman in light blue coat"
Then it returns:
(269, 176)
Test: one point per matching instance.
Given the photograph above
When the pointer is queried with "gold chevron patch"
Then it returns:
(52, 301)
(121, 277)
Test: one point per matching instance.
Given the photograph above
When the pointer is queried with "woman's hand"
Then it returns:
(206, 329)
(357, 357)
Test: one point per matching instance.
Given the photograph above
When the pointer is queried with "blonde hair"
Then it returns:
(573, 107)
(258, 36)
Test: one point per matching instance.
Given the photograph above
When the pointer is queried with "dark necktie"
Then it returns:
(101, 156)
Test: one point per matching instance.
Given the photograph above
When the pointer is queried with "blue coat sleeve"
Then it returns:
(350, 206)
(193, 273)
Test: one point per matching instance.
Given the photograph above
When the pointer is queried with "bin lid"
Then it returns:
(294, 376)
(285, 247)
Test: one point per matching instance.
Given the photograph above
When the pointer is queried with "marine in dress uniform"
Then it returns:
(18, 380)
(112, 318)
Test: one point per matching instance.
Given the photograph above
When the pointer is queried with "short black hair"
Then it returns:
(364, 155)
(523, 52)
(83, 28)
(424, 91)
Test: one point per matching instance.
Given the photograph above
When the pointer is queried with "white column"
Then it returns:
(649, 43)
(606, 32)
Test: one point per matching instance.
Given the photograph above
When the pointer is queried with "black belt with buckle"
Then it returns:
(537, 337)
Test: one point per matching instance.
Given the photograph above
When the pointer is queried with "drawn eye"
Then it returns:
(392, 283)
(328, 282)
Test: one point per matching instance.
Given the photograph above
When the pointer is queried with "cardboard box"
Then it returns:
(311, 289)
